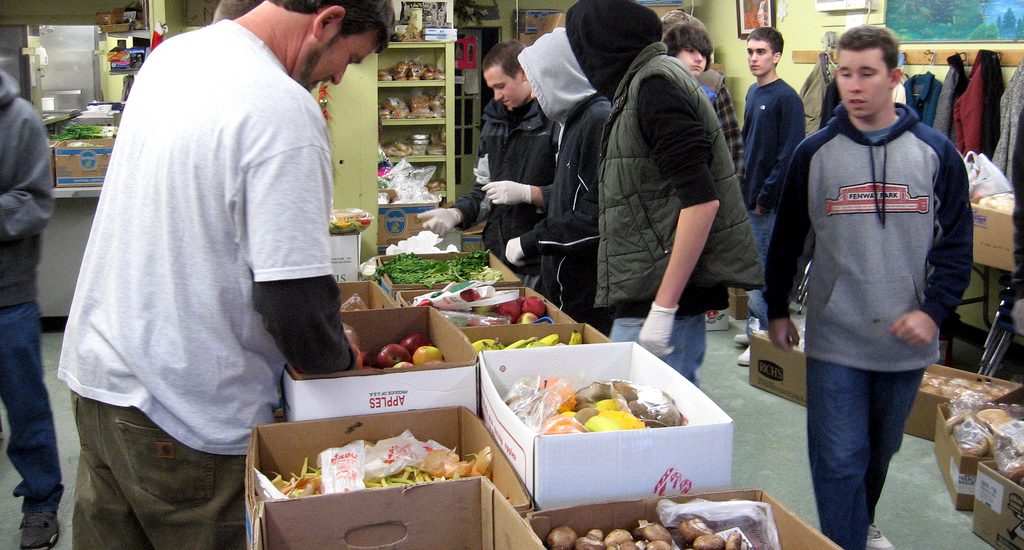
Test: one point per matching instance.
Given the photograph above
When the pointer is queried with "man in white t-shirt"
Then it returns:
(207, 269)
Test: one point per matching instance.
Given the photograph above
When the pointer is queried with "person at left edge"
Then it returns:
(207, 268)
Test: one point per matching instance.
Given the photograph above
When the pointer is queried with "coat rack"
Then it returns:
(1007, 58)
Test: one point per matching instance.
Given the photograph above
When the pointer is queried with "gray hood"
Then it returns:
(555, 75)
(8, 88)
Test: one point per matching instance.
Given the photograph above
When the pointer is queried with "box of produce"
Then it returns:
(527, 307)
(532, 336)
(397, 222)
(412, 357)
(602, 422)
(739, 519)
(999, 505)
(940, 384)
(993, 231)
(363, 295)
(412, 476)
(427, 271)
(81, 153)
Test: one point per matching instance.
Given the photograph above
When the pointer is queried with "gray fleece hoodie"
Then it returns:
(26, 201)
(555, 75)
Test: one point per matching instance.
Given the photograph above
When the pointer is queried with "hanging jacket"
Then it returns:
(892, 233)
(1009, 132)
(829, 104)
(923, 96)
(952, 88)
(812, 94)
(520, 149)
(1017, 161)
(26, 202)
(566, 239)
(976, 113)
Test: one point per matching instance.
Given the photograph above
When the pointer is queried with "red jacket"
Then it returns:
(975, 113)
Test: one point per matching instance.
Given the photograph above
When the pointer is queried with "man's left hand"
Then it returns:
(915, 328)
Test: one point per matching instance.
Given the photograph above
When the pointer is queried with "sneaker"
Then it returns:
(741, 339)
(877, 541)
(744, 359)
(39, 530)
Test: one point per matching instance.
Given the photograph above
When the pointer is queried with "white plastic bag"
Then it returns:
(341, 468)
(984, 176)
(754, 519)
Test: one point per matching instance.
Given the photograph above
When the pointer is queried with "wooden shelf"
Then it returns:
(410, 83)
(1007, 57)
(413, 122)
(420, 158)
(415, 45)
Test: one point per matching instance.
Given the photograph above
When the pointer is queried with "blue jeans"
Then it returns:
(33, 444)
(855, 422)
(688, 339)
(762, 227)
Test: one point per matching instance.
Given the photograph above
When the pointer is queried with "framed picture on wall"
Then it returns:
(752, 14)
(977, 20)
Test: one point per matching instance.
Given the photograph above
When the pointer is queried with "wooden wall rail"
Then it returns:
(1007, 58)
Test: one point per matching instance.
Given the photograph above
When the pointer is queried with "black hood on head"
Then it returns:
(606, 35)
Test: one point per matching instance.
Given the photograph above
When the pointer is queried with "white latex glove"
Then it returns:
(440, 220)
(514, 252)
(507, 192)
(1018, 316)
(656, 334)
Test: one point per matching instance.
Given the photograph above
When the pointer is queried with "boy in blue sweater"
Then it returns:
(772, 128)
(884, 198)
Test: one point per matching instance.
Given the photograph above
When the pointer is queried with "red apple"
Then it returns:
(426, 354)
(391, 354)
(402, 365)
(470, 295)
(534, 305)
(413, 341)
(527, 318)
(365, 360)
(510, 309)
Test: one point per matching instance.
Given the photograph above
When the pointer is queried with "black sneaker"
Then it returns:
(39, 530)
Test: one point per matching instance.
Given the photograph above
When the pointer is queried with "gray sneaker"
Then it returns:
(877, 541)
(39, 530)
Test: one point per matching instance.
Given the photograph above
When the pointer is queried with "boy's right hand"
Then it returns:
(783, 333)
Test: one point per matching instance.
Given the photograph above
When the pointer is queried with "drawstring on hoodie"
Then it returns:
(880, 212)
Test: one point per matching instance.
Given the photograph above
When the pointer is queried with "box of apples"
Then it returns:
(436, 368)
(527, 308)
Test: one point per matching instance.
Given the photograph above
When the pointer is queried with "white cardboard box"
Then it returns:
(717, 320)
(452, 383)
(571, 469)
(345, 257)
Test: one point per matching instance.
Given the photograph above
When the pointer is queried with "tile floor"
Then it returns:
(769, 453)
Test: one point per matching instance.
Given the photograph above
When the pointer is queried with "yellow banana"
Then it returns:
(487, 344)
(575, 338)
(550, 339)
(520, 344)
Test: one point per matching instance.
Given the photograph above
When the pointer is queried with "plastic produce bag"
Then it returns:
(410, 182)
(465, 296)
(349, 221)
(467, 319)
(984, 176)
(424, 242)
(651, 405)
(392, 455)
(754, 519)
(534, 399)
(342, 468)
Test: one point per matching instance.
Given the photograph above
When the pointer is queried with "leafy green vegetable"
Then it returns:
(410, 269)
(78, 131)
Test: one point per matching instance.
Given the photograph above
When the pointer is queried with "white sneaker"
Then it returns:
(741, 339)
(744, 359)
(877, 541)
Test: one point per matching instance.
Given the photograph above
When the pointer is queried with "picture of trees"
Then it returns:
(956, 20)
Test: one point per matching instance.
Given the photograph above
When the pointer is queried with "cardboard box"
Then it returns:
(536, 23)
(993, 237)
(773, 370)
(81, 163)
(508, 277)
(958, 471)
(404, 298)
(717, 320)
(571, 469)
(397, 222)
(998, 508)
(376, 518)
(127, 60)
(473, 238)
(452, 383)
(793, 531)
(921, 422)
(345, 257)
(372, 295)
(432, 34)
(738, 301)
(512, 333)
